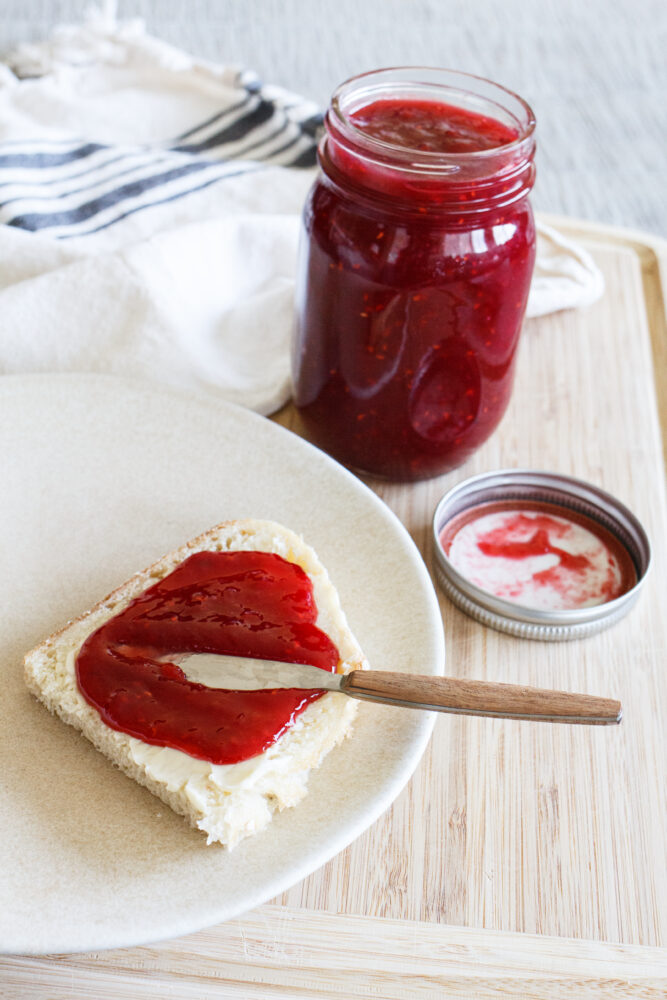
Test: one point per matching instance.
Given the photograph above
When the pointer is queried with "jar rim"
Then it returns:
(376, 83)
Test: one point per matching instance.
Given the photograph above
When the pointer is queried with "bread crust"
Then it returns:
(227, 802)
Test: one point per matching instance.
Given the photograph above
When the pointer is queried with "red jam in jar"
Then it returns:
(416, 261)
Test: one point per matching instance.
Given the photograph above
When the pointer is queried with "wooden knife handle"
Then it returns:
(465, 697)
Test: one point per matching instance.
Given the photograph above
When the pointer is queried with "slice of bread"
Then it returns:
(227, 801)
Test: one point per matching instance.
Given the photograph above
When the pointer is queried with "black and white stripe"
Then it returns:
(68, 187)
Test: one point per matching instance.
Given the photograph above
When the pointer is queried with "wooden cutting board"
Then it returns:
(522, 860)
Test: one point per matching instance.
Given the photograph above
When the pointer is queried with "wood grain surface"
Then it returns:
(277, 952)
(523, 859)
(519, 826)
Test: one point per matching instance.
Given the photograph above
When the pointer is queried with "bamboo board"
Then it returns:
(522, 859)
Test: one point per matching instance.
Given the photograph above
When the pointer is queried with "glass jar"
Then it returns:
(415, 265)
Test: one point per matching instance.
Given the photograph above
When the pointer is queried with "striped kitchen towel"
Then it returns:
(150, 209)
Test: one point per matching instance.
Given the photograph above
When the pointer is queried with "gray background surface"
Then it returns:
(595, 71)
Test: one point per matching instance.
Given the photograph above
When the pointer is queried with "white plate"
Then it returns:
(101, 477)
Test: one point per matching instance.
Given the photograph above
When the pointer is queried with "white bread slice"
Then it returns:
(227, 801)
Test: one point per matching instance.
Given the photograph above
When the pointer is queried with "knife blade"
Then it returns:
(245, 673)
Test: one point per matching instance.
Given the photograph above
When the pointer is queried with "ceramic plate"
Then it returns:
(100, 477)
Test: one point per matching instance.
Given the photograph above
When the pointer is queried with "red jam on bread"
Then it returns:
(240, 602)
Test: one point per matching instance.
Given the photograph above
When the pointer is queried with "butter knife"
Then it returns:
(438, 694)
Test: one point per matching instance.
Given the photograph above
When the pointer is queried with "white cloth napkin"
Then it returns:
(151, 207)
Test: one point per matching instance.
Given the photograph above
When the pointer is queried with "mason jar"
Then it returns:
(417, 252)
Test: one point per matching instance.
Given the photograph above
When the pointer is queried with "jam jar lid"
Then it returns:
(538, 554)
